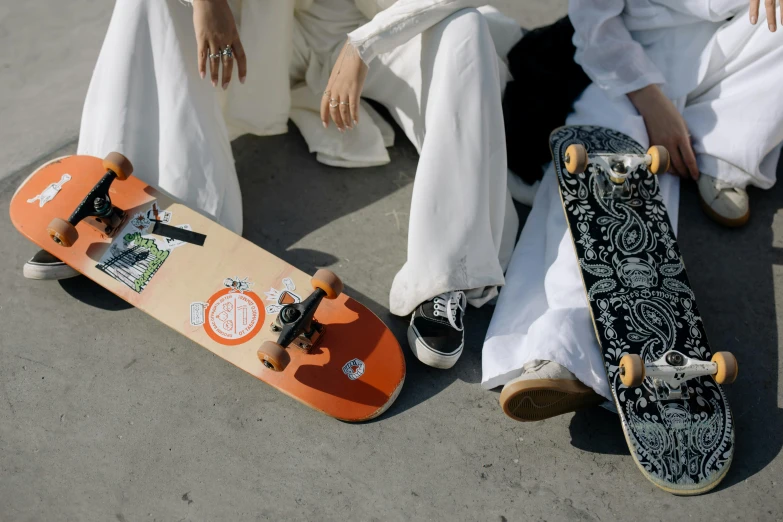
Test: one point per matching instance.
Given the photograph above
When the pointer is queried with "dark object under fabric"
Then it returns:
(546, 83)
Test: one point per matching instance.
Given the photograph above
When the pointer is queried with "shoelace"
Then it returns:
(446, 305)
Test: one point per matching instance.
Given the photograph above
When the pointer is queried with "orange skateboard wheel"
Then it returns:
(62, 232)
(631, 370)
(119, 164)
(576, 158)
(727, 367)
(273, 356)
(659, 159)
(327, 281)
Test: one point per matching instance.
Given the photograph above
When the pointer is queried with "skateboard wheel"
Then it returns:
(118, 164)
(273, 356)
(631, 370)
(327, 281)
(62, 232)
(727, 367)
(576, 158)
(659, 159)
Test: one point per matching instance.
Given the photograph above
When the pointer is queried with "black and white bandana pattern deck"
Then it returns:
(641, 302)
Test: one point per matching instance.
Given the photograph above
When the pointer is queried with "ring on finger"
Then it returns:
(344, 103)
(333, 103)
(215, 56)
(327, 92)
(228, 52)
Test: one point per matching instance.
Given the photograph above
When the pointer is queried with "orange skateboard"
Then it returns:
(299, 334)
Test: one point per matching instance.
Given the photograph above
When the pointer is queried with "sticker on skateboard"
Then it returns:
(50, 192)
(282, 297)
(233, 317)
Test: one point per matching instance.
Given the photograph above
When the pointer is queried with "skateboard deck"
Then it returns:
(676, 418)
(225, 294)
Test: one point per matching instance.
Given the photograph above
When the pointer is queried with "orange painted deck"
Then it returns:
(222, 295)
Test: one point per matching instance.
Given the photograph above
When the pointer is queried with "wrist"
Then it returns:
(644, 95)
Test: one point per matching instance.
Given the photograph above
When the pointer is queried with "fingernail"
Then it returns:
(355, 122)
(341, 129)
(201, 74)
(753, 19)
(225, 85)
(214, 83)
(324, 124)
(772, 27)
(241, 79)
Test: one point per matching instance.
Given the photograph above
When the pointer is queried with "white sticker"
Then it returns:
(280, 298)
(153, 214)
(197, 316)
(238, 285)
(50, 192)
(135, 256)
(354, 369)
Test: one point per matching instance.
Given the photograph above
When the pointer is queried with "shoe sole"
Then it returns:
(539, 399)
(726, 222)
(429, 357)
(48, 272)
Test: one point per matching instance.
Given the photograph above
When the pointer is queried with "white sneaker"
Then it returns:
(545, 389)
(725, 204)
(44, 265)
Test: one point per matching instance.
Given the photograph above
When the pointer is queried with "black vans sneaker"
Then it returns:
(436, 333)
(44, 265)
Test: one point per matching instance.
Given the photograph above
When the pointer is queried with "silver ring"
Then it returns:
(228, 52)
(344, 103)
(214, 56)
(333, 103)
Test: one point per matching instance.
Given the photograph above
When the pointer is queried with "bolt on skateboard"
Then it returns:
(299, 334)
(665, 381)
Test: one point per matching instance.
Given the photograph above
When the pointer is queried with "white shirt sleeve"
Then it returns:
(402, 21)
(605, 49)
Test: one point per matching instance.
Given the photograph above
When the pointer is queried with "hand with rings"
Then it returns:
(218, 41)
(340, 101)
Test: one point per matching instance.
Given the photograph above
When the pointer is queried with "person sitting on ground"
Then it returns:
(695, 79)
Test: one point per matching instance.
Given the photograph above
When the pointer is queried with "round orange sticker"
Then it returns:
(234, 317)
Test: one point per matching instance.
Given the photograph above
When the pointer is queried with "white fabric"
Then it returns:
(433, 63)
(737, 127)
(705, 51)
(462, 221)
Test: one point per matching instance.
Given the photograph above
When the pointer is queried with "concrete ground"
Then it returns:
(106, 414)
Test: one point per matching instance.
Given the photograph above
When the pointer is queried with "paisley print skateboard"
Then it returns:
(665, 381)
(299, 334)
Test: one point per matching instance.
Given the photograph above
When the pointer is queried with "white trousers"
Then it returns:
(736, 123)
(443, 89)
(147, 101)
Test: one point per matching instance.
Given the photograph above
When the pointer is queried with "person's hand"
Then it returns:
(666, 126)
(769, 5)
(344, 90)
(216, 31)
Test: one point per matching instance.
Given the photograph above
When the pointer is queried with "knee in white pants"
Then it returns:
(465, 24)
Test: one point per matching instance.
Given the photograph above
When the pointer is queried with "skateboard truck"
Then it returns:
(616, 167)
(296, 323)
(670, 372)
(96, 207)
